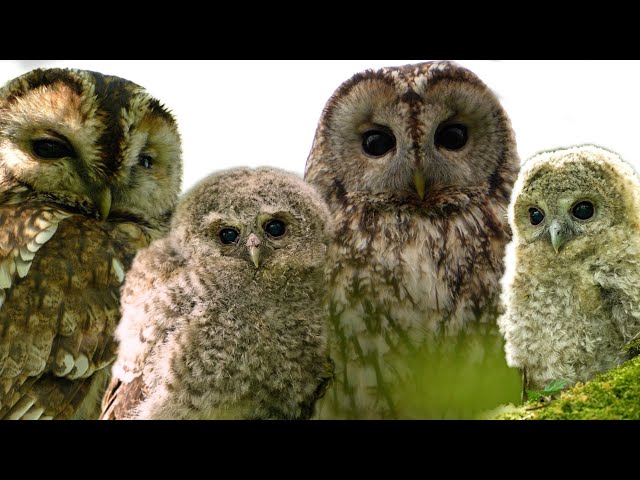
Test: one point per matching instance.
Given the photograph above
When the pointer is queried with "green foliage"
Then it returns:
(614, 395)
(459, 379)
(549, 390)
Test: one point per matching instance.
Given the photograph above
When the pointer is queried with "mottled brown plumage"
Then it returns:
(416, 164)
(217, 327)
(90, 170)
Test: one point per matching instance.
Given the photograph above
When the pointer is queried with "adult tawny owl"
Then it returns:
(90, 171)
(224, 317)
(417, 164)
(572, 286)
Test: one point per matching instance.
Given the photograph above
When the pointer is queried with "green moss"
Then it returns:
(614, 395)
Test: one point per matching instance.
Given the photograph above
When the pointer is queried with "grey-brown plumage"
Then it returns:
(224, 317)
(572, 285)
(416, 164)
(90, 170)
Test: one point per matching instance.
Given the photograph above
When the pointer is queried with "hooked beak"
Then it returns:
(418, 181)
(253, 243)
(103, 203)
(558, 238)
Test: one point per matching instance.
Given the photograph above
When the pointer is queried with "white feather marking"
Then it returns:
(2, 297)
(46, 417)
(23, 267)
(45, 235)
(26, 255)
(34, 413)
(5, 276)
(80, 368)
(20, 408)
(118, 269)
(33, 246)
(66, 361)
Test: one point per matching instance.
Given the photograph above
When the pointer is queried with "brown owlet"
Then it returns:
(417, 164)
(224, 319)
(90, 171)
(572, 285)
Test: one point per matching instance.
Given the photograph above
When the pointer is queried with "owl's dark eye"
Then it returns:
(583, 210)
(536, 216)
(228, 235)
(50, 149)
(145, 160)
(275, 228)
(377, 142)
(452, 137)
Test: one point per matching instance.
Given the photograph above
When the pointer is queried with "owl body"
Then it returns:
(572, 290)
(75, 205)
(217, 331)
(420, 229)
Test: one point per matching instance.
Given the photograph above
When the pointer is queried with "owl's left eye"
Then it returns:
(583, 210)
(377, 142)
(145, 160)
(50, 149)
(451, 137)
(275, 228)
(535, 216)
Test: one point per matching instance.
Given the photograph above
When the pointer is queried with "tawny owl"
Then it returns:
(224, 317)
(572, 285)
(90, 171)
(417, 164)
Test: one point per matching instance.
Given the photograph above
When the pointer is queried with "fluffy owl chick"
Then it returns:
(417, 164)
(224, 317)
(90, 170)
(572, 286)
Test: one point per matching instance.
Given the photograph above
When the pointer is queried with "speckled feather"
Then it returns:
(205, 333)
(569, 314)
(61, 265)
(404, 270)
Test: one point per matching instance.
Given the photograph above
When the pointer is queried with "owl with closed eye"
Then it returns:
(572, 286)
(416, 163)
(90, 171)
(223, 318)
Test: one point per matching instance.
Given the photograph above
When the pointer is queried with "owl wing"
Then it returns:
(24, 231)
(148, 316)
(616, 272)
(52, 340)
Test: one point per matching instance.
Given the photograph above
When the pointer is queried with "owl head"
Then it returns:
(411, 132)
(564, 199)
(90, 144)
(264, 218)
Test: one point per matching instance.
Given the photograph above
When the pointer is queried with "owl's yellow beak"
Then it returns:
(418, 181)
(103, 203)
(558, 239)
(253, 243)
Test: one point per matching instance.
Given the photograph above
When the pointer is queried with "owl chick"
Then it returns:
(572, 286)
(90, 171)
(417, 164)
(224, 317)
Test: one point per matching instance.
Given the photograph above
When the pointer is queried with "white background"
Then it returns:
(251, 113)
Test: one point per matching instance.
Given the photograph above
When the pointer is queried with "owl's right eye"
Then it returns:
(51, 149)
(535, 215)
(377, 142)
(228, 235)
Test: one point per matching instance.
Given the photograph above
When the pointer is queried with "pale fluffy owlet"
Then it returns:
(417, 164)
(572, 286)
(224, 319)
(90, 171)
